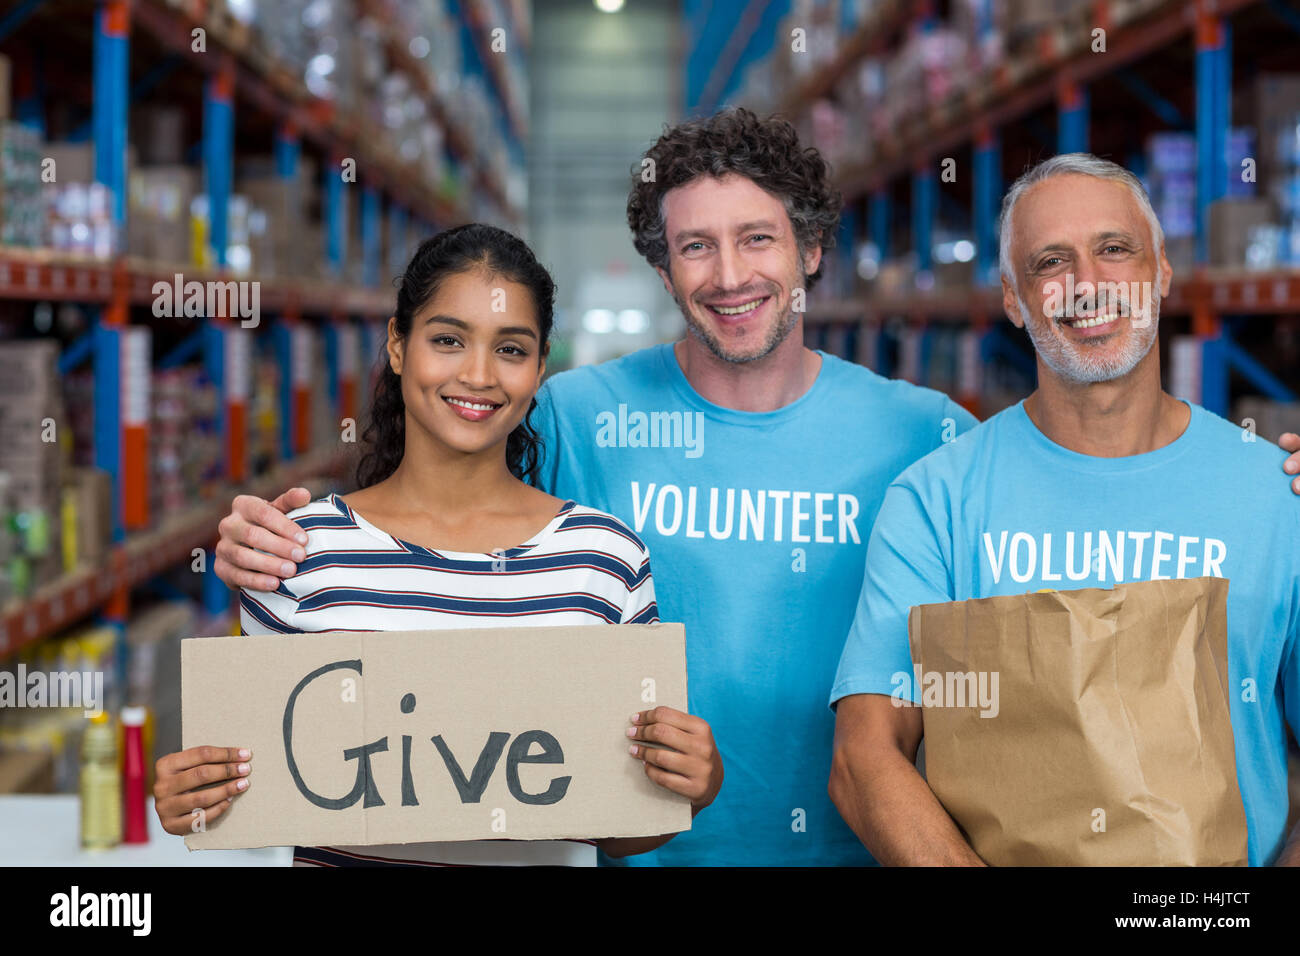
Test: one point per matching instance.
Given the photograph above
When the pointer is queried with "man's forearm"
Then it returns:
(895, 813)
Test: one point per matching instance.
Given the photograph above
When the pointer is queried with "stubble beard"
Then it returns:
(775, 336)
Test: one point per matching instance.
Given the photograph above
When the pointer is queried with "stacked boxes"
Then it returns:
(281, 239)
(1170, 181)
(169, 223)
(1024, 21)
(184, 445)
(22, 204)
(264, 415)
(1240, 149)
(78, 209)
(32, 427)
(1277, 115)
(159, 134)
(87, 517)
(313, 40)
(1235, 226)
(158, 225)
(276, 247)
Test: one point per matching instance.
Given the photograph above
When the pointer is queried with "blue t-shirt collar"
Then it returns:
(1039, 443)
(673, 371)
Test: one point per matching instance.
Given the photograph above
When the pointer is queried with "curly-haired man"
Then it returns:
(758, 528)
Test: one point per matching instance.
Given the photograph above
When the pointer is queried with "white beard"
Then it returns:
(1074, 363)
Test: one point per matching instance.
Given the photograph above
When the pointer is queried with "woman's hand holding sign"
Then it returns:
(686, 761)
(184, 808)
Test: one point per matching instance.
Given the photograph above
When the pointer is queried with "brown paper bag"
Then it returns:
(1086, 727)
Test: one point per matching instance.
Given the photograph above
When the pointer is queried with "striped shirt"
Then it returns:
(584, 567)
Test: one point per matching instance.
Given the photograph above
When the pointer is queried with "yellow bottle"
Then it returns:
(101, 785)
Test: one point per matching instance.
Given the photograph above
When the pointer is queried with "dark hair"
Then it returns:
(454, 251)
(734, 141)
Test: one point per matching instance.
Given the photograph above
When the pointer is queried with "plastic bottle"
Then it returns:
(134, 760)
(101, 786)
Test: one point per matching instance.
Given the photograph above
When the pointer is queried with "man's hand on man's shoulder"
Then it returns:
(1291, 442)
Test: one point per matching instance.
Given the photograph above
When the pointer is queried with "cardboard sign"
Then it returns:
(364, 738)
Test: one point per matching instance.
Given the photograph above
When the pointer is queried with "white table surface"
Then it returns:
(45, 830)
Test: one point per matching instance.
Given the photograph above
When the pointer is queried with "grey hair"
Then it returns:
(1083, 164)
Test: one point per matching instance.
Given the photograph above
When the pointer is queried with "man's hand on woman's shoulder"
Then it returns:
(258, 544)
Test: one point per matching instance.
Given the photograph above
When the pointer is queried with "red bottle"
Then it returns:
(135, 828)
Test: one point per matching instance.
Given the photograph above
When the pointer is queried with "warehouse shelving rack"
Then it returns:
(118, 343)
(1056, 73)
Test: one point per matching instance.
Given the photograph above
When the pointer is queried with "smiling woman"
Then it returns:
(433, 537)
(463, 295)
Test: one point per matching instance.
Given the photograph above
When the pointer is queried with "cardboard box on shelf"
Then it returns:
(169, 242)
(87, 515)
(26, 772)
(1277, 114)
(950, 276)
(29, 369)
(32, 423)
(28, 430)
(160, 131)
(280, 199)
(73, 162)
(165, 190)
(33, 483)
(1231, 223)
(160, 226)
(1181, 252)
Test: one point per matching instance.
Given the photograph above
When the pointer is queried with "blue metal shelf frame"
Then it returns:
(110, 98)
(925, 193)
(371, 235)
(1072, 118)
(335, 211)
(218, 157)
(398, 239)
(881, 216)
(986, 195)
(1213, 117)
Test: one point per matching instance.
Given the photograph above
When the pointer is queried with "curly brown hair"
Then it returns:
(734, 140)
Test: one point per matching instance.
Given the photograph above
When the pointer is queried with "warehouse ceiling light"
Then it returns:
(633, 321)
(598, 321)
(609, 6)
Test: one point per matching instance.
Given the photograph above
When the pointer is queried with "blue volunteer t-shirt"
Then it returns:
(757, 525)
(1005, 510)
